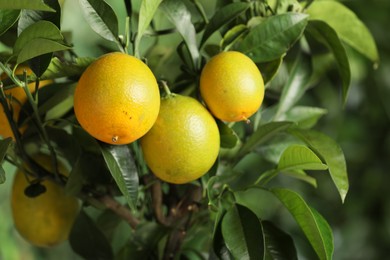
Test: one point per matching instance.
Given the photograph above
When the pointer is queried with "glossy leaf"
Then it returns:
(279, 245)
(40, 30)
(299, 157)
(101, 17)
(314, 226)
(296, 86)
(227, 135)
(180, 16)
(272, 38)
(348, 26)
(242, 233)
(146, 14)
(305, 117)
(222, 17)
(37, 47)
(330, 152)
(219, 245)
(87, 240)
(327, 36)
(263, 134)
(25, 4)
(4, 144)
(121, 164)
(7, 19)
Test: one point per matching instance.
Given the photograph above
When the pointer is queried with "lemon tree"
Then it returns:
(197, 173)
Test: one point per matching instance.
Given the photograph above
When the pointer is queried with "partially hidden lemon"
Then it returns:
(184, 142)
(232, 86)
(18, 99)
(117, 99)
(47, 219)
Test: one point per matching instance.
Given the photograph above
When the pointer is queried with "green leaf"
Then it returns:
(4, 144)
(269, 69)
(242, 233)
(305, 117)
(348, 26)
(25, 4)
(29, 17)
(59, 69)
(301, 175)
(299, 157)
(279, 245)
(180, 16)
(272, 38)
(87, 240)
(146, 14)
(331, 153)
(222, 17)
(232, 36)
(7, 19)
(121, 163)
(327, 36)
(39, 30)
(219, 245)
(296, 85)
(37, 47)
(310, 221)
(227, 135)
(263, 134)
(101, 17)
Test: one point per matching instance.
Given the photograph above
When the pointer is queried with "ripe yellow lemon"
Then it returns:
(18, 99)
(117, 99)
(47, 219)
(232, 86)
(184, 142)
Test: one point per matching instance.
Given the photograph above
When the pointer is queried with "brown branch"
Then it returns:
(120, 210)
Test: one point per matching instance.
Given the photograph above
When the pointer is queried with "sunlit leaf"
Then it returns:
(299, 157)
(326, 35)
(279, 245)
(242, 233)
(101, 17)
(305, 117)
(121, 163)
(272, 38)
(222, 17)
(25, 4)
(296, 86)
(7, 19)
(348, 26)
(331, 153)
(87, 240)
(59, 69)
(314, 226)
(180, 16)
(146, 14)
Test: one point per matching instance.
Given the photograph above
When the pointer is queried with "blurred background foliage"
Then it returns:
(362, 225)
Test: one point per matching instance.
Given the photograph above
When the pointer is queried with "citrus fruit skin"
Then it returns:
(18, 94)
(232, 86)
(184, 142)
(47, 219)
(117, 99)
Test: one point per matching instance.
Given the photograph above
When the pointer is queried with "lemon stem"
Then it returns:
(166, 88)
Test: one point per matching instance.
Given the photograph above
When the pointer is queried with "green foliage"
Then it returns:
(288, 40)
